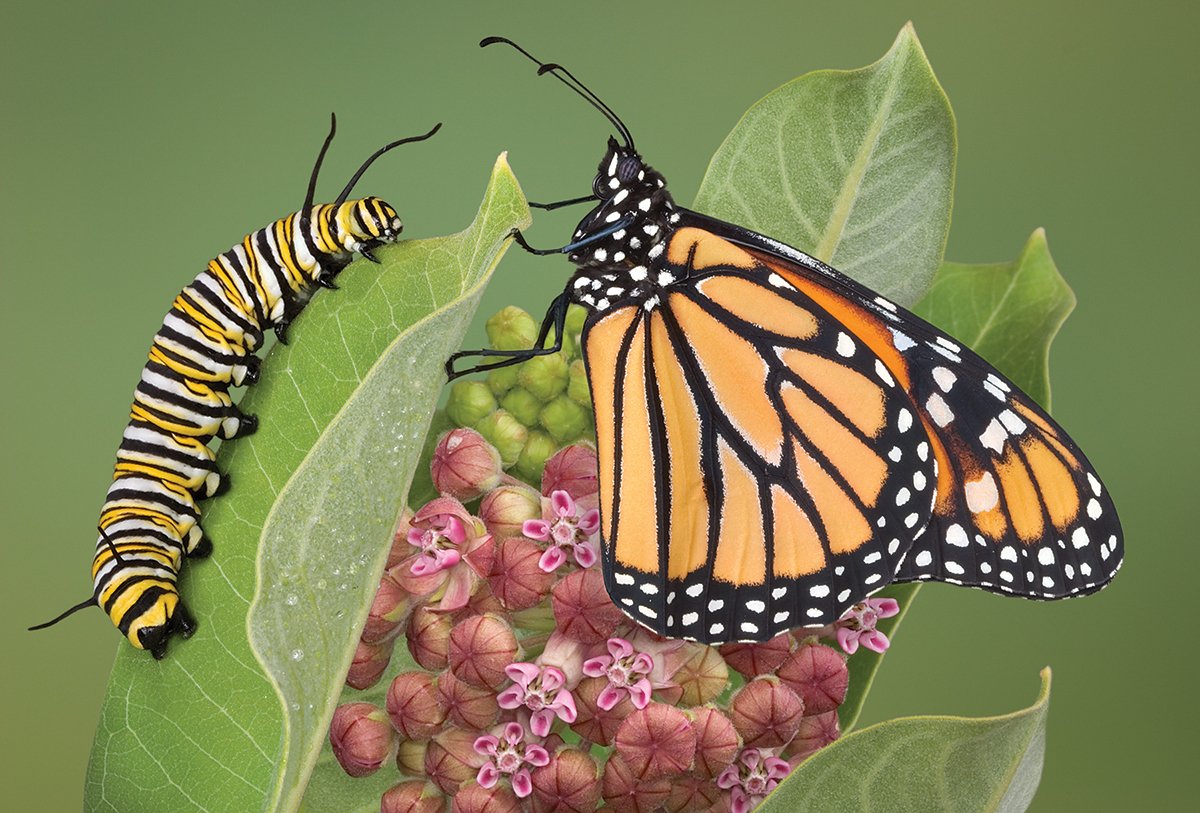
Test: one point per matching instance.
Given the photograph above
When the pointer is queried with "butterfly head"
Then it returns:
(635, 210)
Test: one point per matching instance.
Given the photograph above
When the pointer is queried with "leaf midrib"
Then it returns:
(844, 205)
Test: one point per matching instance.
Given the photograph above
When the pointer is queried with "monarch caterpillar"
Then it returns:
(149, 521)
(787, 440)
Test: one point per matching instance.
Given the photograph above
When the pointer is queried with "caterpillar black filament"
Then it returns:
(206, 344)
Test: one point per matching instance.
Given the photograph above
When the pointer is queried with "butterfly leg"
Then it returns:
(558, 204)
(556, 317)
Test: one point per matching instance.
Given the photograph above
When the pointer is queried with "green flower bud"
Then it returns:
(544, 376)
(503, 379)
(533, 457)
(564, 419)
(576, 316)
(469, 402)
(511, 329)
(521, 404)
(577, 384)
(504, 432)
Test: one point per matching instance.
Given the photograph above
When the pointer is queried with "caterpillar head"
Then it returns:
(365, 223)
(163, 616)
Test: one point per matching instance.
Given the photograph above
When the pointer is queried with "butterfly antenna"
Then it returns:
(312, 181)
(385, 148)
(91, 602)
(570, 80)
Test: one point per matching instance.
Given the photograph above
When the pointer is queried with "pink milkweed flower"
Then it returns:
(446, 534)
(567, 529)
(509, 755)
(751, 777)
(627, 672)
(541, 690)
(857, 625)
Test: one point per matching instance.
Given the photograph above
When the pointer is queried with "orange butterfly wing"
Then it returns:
(761, 467)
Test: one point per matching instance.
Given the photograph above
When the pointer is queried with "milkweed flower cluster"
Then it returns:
(513, 683)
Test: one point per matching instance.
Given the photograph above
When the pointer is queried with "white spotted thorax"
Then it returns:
(624, 266)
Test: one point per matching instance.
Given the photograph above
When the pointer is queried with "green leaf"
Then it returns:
(1009, 313)
(854, 167)
(925, 764)
(235, 717)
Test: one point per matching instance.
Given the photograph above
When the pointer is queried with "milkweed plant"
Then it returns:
(470, 659)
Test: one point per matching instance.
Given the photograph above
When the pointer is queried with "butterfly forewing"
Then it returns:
(1019, 508)
(763, 467)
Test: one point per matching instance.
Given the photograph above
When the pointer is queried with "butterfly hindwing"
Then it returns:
(763, 468)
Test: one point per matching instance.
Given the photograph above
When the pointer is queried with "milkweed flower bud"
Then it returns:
(702, 677)
(370, 660)
(544, 376)
(469, 402)
(567, 531)
(627, 792)
(480, 648)
(541, 690)
(815, 732)
(414, 706)
(428, 638)
(412, 796)
(691, 793)
(576, 316)
(464, 465)
(564, 419)
(818, 674)
(857, 625)
(625, 673)
(574, 469)
(410, 757)
(766, 712)
(538, 447)
(751, 778)
(509, 754)
(504, 509)
(593, 723)
(582, 608)
(658, 740)
(577, 385)
(522, 405)
(717, 742)
(451, 760)
(752, 660)
(467, 706)
(567, 784)
(502, 379)
(511, 328)
(565, 654)
(516, 579)
(504, 432)
(361, 737)
(389, 612)
(474, 798)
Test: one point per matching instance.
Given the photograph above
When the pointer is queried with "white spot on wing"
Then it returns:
(981, 494)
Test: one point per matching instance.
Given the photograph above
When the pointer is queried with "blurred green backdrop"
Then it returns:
(140, 141)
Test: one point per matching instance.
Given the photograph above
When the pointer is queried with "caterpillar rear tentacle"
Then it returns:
(207, 343)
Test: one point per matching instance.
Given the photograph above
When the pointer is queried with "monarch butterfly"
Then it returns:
(205, 345)
(777, 442)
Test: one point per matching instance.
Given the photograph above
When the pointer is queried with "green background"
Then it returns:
(139, 141)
